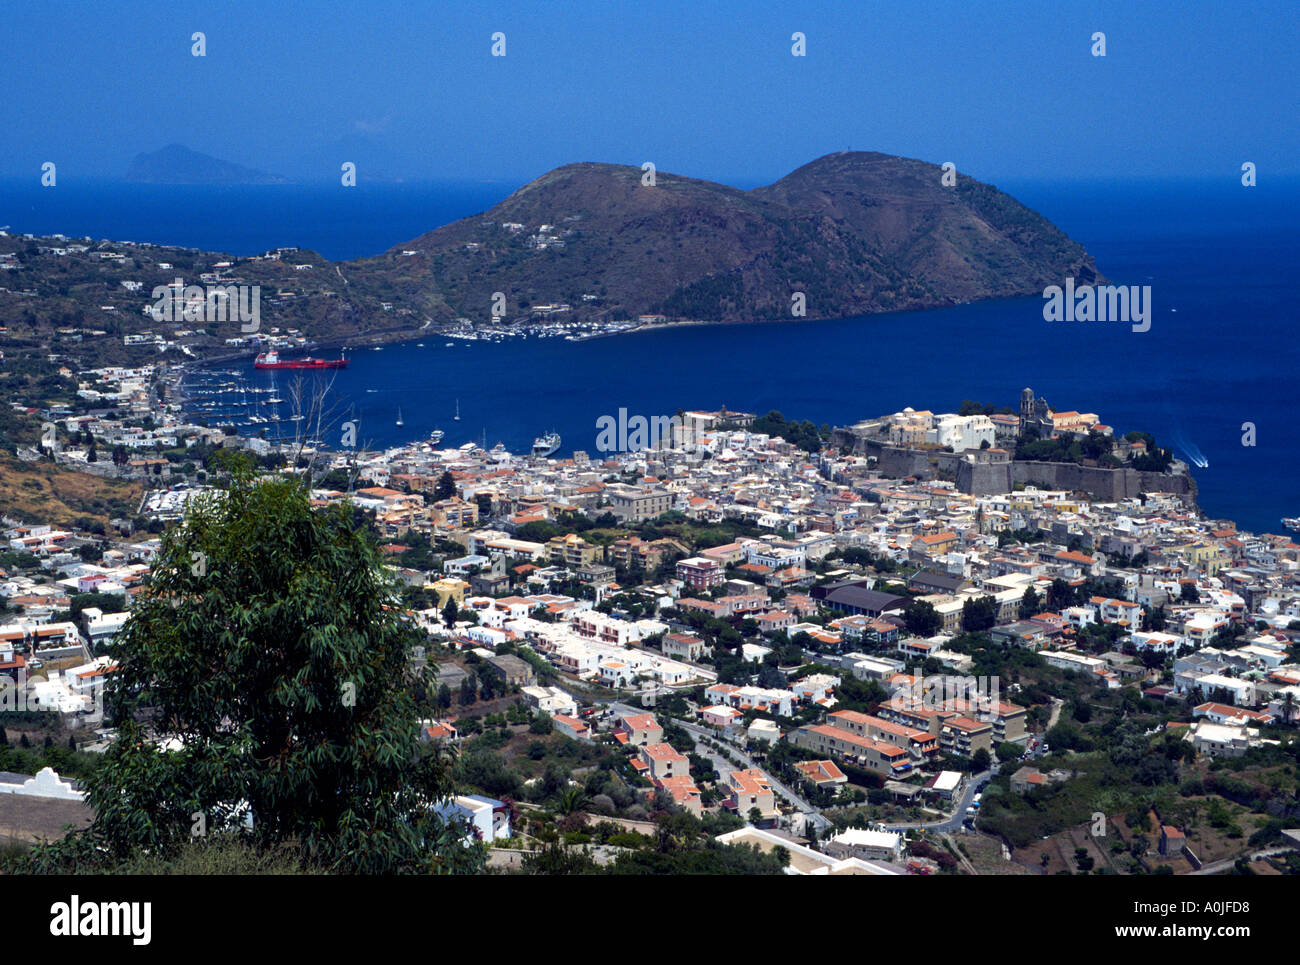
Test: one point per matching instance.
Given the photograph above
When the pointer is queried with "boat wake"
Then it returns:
(1192, 452)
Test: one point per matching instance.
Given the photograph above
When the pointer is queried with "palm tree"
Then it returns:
(572, 799)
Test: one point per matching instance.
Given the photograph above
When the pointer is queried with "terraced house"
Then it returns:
(638, 730)
(751, 789)
(572, 551)
(876, 756)
(919, 744)
(663, 762)
(634, 552)
(701, 573)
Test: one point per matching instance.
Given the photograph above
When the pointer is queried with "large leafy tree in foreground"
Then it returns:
(264, 673)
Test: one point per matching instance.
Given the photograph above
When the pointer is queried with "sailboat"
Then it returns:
(456, 417)
(399, 416)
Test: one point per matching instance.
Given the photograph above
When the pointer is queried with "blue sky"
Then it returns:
(1004, 90)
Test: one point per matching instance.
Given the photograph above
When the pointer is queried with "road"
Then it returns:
(723, 766)
(1057, 704)
(700, 733)
(1226, 864)
(954, 821)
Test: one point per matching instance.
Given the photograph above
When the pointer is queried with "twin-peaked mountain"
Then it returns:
(857, 233)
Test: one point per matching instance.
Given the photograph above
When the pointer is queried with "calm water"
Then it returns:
(337, 222)
(1221, 260)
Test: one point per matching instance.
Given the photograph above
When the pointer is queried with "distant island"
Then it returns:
(177, 164)
(583, 251)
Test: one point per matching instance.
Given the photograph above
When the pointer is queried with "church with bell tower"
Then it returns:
(1036, 414)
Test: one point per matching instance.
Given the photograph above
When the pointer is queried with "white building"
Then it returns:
(1222, 740)
(768, 700)
(804, 860)
(962, 432)
(550, 700)
(1158, 642)
(484, 818)
(1079, 616)
(1242, 692)
(45, 784)
(1277, 704)
(102, 627)
(1072, 661)
(763, 731)
(815, 687)
(866, 844)
(485, 636)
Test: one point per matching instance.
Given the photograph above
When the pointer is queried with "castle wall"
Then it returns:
(990, 477)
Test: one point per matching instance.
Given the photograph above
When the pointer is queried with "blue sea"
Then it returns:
(1221, 260)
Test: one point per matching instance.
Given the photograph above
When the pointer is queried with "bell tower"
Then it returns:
(1026, 409)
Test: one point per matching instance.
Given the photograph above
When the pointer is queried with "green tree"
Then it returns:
(1153, 619)
(1007, 751)
(979, 614)
(922, 619)
(449, 613)
(1059, 594)
(540, 724)
(264, 652)
(555, 859)
(446, 486)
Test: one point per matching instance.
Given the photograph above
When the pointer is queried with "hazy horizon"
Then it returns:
(1185, 89)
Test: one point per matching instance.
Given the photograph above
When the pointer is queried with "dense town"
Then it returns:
(747, 626)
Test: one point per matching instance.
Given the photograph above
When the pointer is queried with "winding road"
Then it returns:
(811, 813)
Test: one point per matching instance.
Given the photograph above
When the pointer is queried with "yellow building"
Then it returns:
(1209, 558)
(572, 550)
(449, 589)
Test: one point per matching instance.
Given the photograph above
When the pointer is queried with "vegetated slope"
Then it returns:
(857, 233)
(43, 492)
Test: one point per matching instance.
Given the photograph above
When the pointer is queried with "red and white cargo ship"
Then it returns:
(272, 360)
